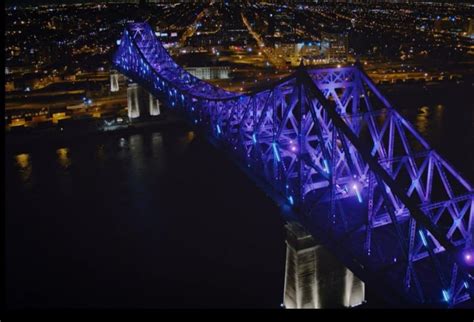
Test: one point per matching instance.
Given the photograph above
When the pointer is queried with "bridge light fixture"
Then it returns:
(446, 295)
(466, 285)
(290, 199)
(275, 151)
(254, 138)
(326, 166)
(218, 129)
(468, 256)
(423, 238)
(356, 189)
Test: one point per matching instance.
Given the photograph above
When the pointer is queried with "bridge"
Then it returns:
(350, 169)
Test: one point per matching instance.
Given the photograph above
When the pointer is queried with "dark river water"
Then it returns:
(164, 219)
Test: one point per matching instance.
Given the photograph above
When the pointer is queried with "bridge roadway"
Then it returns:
(342, 161)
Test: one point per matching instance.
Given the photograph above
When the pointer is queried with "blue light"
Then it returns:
(254, 138)
(423, 238)
(218, 129)
(290, 198)
(195, 121)
(89, 101)
(356, 189)
(326, 166)
(446, 295)
(275, 151)
(466, 285)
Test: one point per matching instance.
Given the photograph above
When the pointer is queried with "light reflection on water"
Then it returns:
(422, 120)
(23, 160)
(63, 157)
(23, 164)
(444, 116)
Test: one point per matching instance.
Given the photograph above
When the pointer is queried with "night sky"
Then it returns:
(39, 2)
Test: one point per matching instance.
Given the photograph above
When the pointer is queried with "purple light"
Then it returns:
(468, 256)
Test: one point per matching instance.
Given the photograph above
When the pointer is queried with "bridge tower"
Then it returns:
(314, 278)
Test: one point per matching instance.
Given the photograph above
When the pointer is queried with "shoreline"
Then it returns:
(52, 135)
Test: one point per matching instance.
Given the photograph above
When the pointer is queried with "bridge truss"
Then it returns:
(360, 177)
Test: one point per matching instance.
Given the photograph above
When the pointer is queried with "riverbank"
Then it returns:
(82, 130)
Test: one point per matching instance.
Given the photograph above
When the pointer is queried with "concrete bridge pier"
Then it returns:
(133, 101)
(114, 81)
(314, 278)
(141, 103)
(154, 105)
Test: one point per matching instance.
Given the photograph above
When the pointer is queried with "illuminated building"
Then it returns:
(334, 46)
(215, 72)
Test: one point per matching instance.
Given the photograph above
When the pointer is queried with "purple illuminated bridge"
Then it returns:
(352, 170)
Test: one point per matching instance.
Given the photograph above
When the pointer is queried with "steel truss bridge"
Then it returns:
(359, 177)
